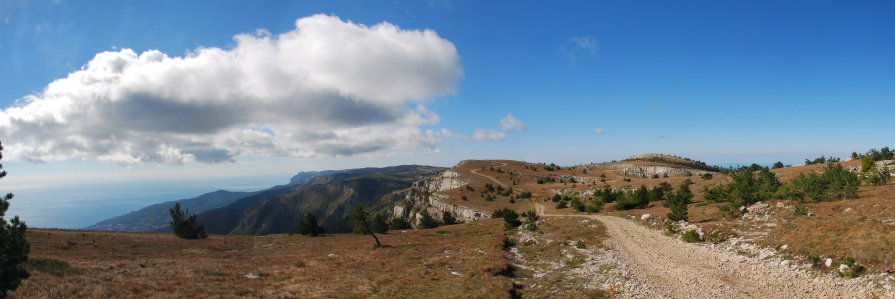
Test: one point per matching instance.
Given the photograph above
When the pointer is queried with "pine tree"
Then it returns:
(360, 219)
(185, 224)
(14, 246)
(677, 202)
(309, 226)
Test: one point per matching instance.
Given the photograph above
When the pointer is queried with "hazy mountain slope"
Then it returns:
(155, 217)
(330, 197)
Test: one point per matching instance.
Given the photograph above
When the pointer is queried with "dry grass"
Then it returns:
(548, 262)
(412, 264)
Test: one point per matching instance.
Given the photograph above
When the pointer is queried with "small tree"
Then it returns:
(185, 224)
(778, 164)
(677, 202)
(360, 219)
(866, 163)
(427, 221)
(309, 226)
(378, 223)
(447, 218)
(14, 246)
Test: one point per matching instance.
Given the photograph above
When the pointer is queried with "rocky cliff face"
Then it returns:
(423, 196)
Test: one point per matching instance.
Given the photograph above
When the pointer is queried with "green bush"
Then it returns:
(878, 177)
(400, 224)
(800, 210)
(427, 221)
(576, 205)
(447, 218)
(525, 195)
(814, 260)
(531, 220)
(854, 269)
(714, 237)
(310, 227)
(580, 244)
(637, 199)
(690, 236)
(834, 183)
(706, 176)
(677, 202)
(51, 266)
(777, 164)
(185, 224)
(715, 193)
(562, 204)
(866, 163)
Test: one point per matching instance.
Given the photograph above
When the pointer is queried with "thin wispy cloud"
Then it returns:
(302, 93)
(577, 46)
(599, 131)
(509, 123)
(485, 134)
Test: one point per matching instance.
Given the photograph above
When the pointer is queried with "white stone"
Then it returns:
(847, 210)
(784, 263)
(843, 268)
(252, 276)
(784, 247)
(828, 262)
(455, 273)
(645, 216)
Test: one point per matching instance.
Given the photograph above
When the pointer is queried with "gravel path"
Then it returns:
(667, 267)
(476, 172)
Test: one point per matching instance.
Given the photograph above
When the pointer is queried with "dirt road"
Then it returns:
(476, 172)
(668, 267)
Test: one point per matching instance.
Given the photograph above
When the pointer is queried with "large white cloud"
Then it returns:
(330, 87)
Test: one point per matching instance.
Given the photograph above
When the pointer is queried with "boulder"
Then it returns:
(828, 262)
(645, 216)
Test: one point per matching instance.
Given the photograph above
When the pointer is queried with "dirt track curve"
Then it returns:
(666, 267)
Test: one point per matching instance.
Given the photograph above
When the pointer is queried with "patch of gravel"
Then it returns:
(668, 267)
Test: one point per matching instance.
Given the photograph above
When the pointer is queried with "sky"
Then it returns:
(141, 90)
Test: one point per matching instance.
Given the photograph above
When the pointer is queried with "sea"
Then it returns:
(82, 205)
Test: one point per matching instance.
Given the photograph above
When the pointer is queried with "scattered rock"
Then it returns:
(645, 216)
(847, 210)
(780, 204)
(455, 273)
(784, 263)
(252, 276)
(843, 268)
(784, 247)
(828, 262)
(811, 214)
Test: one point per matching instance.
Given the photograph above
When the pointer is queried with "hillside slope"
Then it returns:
(155, 217)
(329, 197)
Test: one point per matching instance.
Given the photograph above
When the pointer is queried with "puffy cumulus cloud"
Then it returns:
(485, 134)
(509, 122)
(327, 88)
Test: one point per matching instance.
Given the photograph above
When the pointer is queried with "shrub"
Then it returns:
(677, 202)
(595, 206)
(562, 204)
(814, 260)
(400, 224)
(525, 195)
(835, 183)
(655, 176)
(714, 237)
(690, 236)
(706, 176)
(715, 193)
(427, 221)
(185, 224)
(447, 218)
(637, 199)
(510, 218)
(854, 269)
(531, 220)
(576, 205)
(777, 164)
(580, 244)
(556, 197)
(309, 226)
(866, 163)
(878, 177)
(800, 210)
(626, 179)
(51, 266)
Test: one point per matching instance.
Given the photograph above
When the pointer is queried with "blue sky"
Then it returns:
(719, 81)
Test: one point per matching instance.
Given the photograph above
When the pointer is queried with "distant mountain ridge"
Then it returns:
(329, 194)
